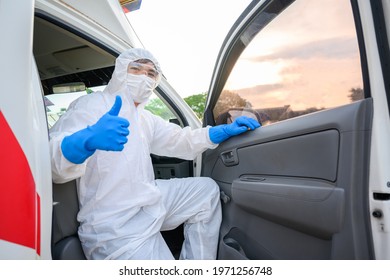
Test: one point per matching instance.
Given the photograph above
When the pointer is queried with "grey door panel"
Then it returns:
(308, 206)
(297, 189)
(311, 155)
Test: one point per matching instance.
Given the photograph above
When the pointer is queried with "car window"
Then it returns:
(159, 108)
(305, 60)
(57, 104)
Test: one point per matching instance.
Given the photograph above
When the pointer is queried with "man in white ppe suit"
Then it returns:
(105, 139)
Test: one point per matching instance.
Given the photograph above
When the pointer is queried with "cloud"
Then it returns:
(263, 89)
(334, 48)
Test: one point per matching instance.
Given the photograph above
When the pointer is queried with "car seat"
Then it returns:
(66, 244)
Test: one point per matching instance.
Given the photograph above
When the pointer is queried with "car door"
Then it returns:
(310, 183)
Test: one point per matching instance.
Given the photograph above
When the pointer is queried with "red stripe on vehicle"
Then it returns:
(17, 191)
(38, 241)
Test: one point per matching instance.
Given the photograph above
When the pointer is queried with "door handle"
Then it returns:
(229, 158)
(252, 178)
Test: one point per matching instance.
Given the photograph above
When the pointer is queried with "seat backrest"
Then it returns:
(65, 241)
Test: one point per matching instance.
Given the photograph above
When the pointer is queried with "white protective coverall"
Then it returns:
(122, 206)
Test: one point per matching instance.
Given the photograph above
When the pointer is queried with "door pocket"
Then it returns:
(231, 250)
(237, 245)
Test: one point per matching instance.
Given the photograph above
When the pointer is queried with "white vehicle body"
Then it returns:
(26, 198)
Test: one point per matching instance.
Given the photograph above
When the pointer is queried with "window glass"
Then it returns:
(158, 107)
(57, 104)
(305, 60)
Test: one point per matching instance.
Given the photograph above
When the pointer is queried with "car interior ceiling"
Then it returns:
(63, 57)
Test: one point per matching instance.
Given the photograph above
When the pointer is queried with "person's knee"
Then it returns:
(213, 193)
(208, 183)
(210, 186)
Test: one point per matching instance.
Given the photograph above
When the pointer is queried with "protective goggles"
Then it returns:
(142, 69)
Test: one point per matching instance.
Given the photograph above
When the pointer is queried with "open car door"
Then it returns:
(312, 182)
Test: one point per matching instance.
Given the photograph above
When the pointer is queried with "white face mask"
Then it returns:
(140, 87)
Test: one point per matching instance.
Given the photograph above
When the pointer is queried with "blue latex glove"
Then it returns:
(109, 133)
(222, 132)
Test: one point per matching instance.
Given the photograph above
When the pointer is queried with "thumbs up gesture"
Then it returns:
(109, 133)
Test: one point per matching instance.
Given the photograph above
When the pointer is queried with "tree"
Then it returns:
(197, 103)
(228, 100)
(157, 107)
(356, 94)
